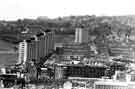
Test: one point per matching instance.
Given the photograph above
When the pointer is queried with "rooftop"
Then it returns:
(34, 30)
(111, 82)
(114, 82)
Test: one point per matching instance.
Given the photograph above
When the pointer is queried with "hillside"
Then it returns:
(6, 57)
(6, 46)
(107, 30)
(128, 20)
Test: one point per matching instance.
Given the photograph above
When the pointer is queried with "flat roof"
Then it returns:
(82, 78)
(114, 83)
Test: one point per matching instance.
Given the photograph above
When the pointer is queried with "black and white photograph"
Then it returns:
(67, 44)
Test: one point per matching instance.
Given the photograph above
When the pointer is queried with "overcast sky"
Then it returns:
(14, 9)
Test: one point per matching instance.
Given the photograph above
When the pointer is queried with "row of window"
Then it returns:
(110, 87)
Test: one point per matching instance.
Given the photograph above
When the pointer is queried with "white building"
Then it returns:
(81, 35)
(116, 83)
(67, 85)
(22, 51)
(110, 85)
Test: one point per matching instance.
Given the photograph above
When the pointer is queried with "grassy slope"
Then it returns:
(5, 46)
(6, 58)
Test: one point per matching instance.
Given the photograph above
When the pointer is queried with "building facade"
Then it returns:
(79, 71)
(110, 85)
(36, 47)
(81, 35)
(126, 50)
(79, 47)
(85, 71)
(22, 51)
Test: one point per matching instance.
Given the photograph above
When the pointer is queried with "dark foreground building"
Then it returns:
(9, 80)
(84, 71)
